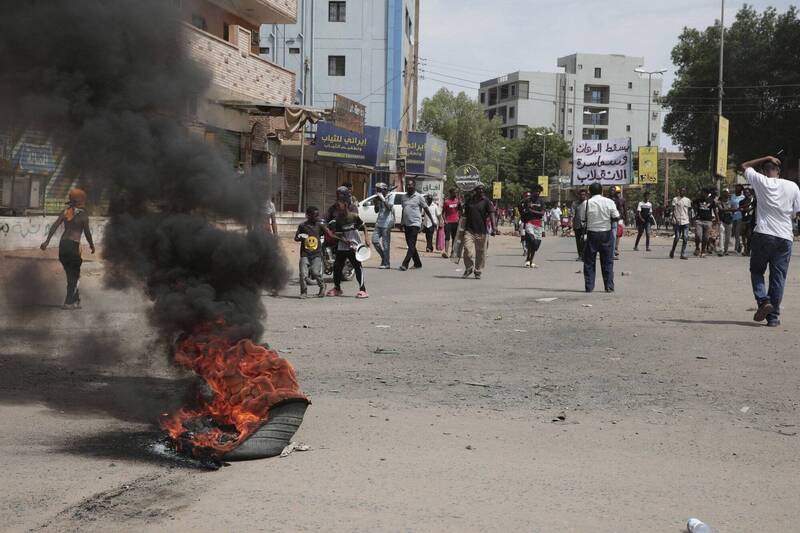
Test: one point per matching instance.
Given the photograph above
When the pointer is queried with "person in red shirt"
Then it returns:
(451, 213)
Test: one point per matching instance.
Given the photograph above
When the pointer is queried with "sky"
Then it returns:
(464, 42)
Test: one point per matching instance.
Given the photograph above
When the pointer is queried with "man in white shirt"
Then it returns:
(601, 223)
(555, 220)
(681, 205)
(778, 205)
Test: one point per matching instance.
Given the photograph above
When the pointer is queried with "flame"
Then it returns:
(245, 379)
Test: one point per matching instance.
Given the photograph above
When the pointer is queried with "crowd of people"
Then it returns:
(758, 221)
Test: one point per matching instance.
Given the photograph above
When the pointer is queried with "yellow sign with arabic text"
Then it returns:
(722, 147)
(648, 165)
(497, 190)
(544, 182)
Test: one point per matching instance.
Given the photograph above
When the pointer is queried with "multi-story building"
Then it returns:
(356, 48)
(595, 97)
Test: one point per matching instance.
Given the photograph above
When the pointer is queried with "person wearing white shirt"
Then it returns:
(601, 223)
(773, 237)
(555, 220)
(431, 221)
(681, 206)
(644, 212)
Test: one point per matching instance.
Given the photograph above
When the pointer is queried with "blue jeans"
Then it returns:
(385, 235)
(599, 241)
(681, 233)
(775, 253)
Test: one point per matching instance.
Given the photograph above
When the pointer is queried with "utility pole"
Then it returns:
(410, 74)
(416, 64)
(721, 85)
(306, 70)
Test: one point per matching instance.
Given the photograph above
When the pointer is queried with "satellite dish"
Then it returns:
(467, 177)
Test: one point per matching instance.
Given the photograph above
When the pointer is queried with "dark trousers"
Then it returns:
(775, 253)
(429, 233)
(580, 240)
(643, 228)
(69, 253)
(599, 241)
(338, 266)
(411, 241)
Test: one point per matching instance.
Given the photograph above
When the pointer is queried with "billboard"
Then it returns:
(339, 144)
(648, 165)
(427, 154)
(544, 181)
(721, 166)
(607, 162)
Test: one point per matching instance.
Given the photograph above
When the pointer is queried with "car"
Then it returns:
(366, 208)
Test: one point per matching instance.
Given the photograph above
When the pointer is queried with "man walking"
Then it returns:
(681, 205)
(579, 222)
(735, 202)
(726, 211)
(477, 210)
(532, 212)
(705, 209)
(601, 221)
(413, 207)
(644, 213)
(771, 246)
(382, 234)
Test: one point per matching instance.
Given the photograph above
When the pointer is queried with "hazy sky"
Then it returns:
(478, 40)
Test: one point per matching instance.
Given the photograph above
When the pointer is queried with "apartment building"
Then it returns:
(596, 96)
(356, 48)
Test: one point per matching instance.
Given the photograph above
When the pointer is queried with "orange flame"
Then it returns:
(246, 381)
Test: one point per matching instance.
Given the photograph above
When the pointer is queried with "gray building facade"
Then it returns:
(356, 48)
(596, 96)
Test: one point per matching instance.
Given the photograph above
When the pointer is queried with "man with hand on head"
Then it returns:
(771, 243)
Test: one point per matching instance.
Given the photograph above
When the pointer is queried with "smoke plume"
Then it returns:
(111, 81)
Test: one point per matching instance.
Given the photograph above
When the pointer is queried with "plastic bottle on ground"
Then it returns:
(696, 526)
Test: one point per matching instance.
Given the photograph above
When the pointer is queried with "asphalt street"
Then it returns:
(517, 402)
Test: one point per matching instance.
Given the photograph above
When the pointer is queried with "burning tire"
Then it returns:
(271, 438)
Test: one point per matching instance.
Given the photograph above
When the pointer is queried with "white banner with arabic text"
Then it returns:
(607, 162)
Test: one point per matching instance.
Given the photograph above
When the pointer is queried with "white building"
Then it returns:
(595, 97)
(355, 48)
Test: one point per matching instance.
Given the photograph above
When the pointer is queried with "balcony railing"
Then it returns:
(236, 69)
(263, 11)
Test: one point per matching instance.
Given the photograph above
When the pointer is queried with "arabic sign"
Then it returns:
(607, 162)
(497, 190)
(544, 183)
(722, 147)
(648, 165)
(381, 146)
(427, 154)
(337, 144)
(348, 114)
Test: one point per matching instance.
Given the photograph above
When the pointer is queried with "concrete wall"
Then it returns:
(20, 233)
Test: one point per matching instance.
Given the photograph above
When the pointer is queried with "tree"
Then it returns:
(471, 137)
(762, 94)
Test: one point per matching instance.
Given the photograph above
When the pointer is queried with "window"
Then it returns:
(512, 112)
(570, 110)
(513, 90)
(483, 98)
(199, 22)
(511, 132)
(630, 85)
(294, 50)
(264, 50)
(598, 72)
(569, 132)
(628, 127)
(226, 31)
(336, 66)
(629, 107)
(503, 92)
(337, 11)
(571, 88)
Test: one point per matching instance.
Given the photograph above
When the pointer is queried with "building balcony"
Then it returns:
(241, 74)
(262, 11)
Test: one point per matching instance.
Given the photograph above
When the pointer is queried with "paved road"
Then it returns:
(479, 408)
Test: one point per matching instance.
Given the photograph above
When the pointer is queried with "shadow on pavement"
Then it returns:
(717, 322)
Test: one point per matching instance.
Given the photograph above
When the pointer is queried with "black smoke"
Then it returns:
(111, 81)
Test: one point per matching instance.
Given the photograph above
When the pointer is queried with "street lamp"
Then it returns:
(594, 115)
(497, 162)
(544, 137)
(649, 93)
